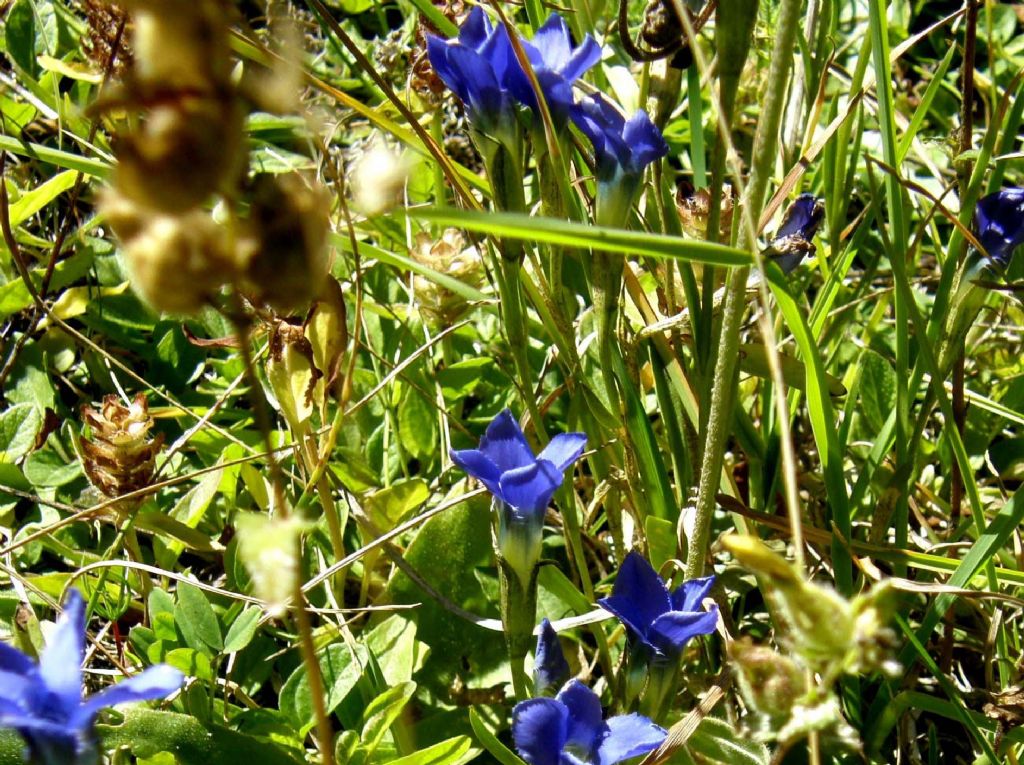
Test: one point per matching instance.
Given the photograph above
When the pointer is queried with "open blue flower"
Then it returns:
(476, 66)
(794, 239)
(571, 730)
(521, 483)
(621, 146)
(550, 669)
(505, 464)
(662, 623)
(43, 701)
(557, 65)
(999, 224)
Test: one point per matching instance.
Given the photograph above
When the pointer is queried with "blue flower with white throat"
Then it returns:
(522, 484)
(43, 702)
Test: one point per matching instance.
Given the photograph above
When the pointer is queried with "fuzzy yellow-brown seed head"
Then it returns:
(289, 220)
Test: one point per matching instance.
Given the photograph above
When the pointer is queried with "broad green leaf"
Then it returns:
(46, 468)
(242, 629)
(417, 424)
(550, 231)
(389, 507)
(394, 645)
(196, 619)
(192, 662)
(340, 669)
(147, 733)
(382, 712)
(715, 741)
(33, 201)
(460, 379)
(454, 751)
(19, 427)
(20, 35)
(877, 389)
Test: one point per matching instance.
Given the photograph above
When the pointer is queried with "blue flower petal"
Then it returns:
(999, 222)
(60, 665)
(553, 42)
(13, 660)
(629, 736)
(564, 449)
(476, 28)
(582, 59)
(802, 218)
(586, 721)
(670, 632)
(154, 683)
(529, 489)
(484, 96)
(504, 443)
(550, 669)
(15, 688)
(690, 594)
(639, 595)
(478, 465)
(645, 141)
(540, 730)
(437, 52)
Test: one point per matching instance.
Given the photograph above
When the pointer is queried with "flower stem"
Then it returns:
(518, 615)
(720, 410)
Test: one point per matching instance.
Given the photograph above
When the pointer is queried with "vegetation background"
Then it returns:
(857, 440)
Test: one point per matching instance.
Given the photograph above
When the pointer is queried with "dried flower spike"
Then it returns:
(121, 456)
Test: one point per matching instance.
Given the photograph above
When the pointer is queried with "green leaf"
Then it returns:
(389, 507)
(716, 742)
(20, 36)
(382, 712)
(195, 618)
(45, 468)
(460, 379)
(877, 389)
(417, 424)
(453, 751)
(490, 742)
(549, 231)
(147, 733)
(31, 202)
(340, 670)
(190, 661)
(399, 654)
(19, 427)
(242, 629)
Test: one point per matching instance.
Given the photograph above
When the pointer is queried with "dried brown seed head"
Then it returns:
(120, 457)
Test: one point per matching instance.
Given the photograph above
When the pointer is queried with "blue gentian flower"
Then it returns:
(570, 729)
(557, 66)
(476, 66)
(43, 701)
(621, 146)
(550, 669)
(521, 483)
(999, 224)
(661, 622)
(794, 239)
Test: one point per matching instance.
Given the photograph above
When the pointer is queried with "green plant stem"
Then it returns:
(518, 615)
(720, 409)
